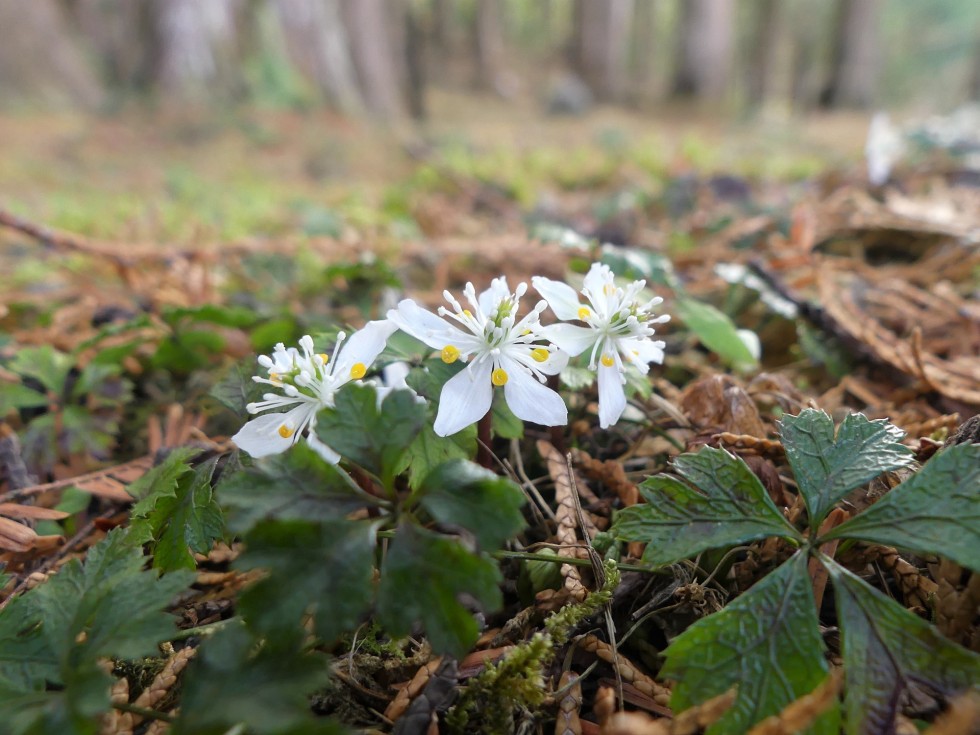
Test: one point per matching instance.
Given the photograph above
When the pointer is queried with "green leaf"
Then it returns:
(826, 468)
(717, 502)
(294, 485)
(429, 450)
(162, 479)
(323, 569)
(422, 579)
(179, 520)
(236, 389)
(716, 331)
(44, 364)
(461, 493)
(636, 264)
(235, 683)
(371, 436)
(766, 642)
(885, 648)
(14, 396)
(936, 511)
(505, 424)
(225, 316)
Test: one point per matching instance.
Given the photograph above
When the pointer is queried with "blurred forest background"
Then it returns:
(381, 58)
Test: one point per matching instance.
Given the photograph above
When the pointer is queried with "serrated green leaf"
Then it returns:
(429, 450)
(886, 647)
(575, 377)
(236, 389)
(73, 709)
(936, 511)
(716, 331)
(235, 683)
(294, 485)
(179, 520)
(449, 571)
(162, 479)
(322, 569)
(717, 502)
(461, 493)
(371, 436)
(45, 364)
(14, 396)
(827, 468)
(766, 642)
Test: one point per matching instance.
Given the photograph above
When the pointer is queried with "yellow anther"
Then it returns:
(498, 376)
(608, 289)
(607, 360)
(584, 313)
(525, 332)
(274, 377)
(467, 313)
(358, 370)
(540, 354)
(285, 432)
(450, 354)
(325, 357)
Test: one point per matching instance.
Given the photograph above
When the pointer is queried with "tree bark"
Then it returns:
(766, 35)
(644, 38)
(488, 36)
(705, 53)
(601, 45)
(375, 45)
(41, 60)
(857, 55)
(316, 43)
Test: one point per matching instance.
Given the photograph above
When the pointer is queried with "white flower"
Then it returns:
(883, 148)
(618, 332)
(308, 382)
(501, 351)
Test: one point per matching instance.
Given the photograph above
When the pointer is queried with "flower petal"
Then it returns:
(612, 396)
(531, 400)
(639, 352)
(424, 325)
(328, 454)
(260, 437)
(363, 347)
(465, 399)
(490, 299)
(561, 297)
(595, 281)
(572, 339)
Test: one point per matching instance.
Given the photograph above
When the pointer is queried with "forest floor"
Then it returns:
(167, 248)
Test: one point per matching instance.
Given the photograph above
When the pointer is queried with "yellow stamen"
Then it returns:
(608, 289)
(540, 354)
(467, 313)
(498, 376)
(584, 313)
(607, 360)
(325, 357)
(450, 354)
(274, 377)
(358, 370)
(285, 432)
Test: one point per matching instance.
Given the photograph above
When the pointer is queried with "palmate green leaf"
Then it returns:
(766, 642)
(235, 684)
(294, 485)
(179, 519)
(26, 658)
(423, 577)
(461, 493)
(45, 364)
(429, 450)
(936, 511)
(14, 396)
(371, 436)
(885, 648)
(827, 468)
(162, 479)
(323, 569)
(717, 502)
(716, 331)
(72, 709)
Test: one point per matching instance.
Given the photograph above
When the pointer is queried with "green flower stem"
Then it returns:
(204, 630)
(574, 562)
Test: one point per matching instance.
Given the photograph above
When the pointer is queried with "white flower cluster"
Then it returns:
(501, 349)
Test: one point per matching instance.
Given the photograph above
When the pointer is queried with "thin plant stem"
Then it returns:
(484, 456)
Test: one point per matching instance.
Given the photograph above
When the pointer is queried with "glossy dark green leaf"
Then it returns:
(424, 579)
(766, 642)
(238, 685)
(936, 511)
(828, 467)
(718, 501)
(294, 485)
(463, 494)
(321, 569)
(180, 520)
(371, 436)
(885, 648)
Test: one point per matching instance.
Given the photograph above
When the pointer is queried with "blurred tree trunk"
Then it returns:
(40, 59)
(973, 83)
(196, 42)
(441, 25)
(857, 55)
(415, 71)
(601, 45)
(767, 31)
(644, 35)
(374, 28)
(316, 43)
(705, 51)
(488, 37)
(122, 36)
